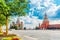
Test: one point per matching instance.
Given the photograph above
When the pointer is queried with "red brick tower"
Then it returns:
(45, 23)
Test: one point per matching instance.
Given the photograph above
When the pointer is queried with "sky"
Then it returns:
(38, 8)
(51, 7)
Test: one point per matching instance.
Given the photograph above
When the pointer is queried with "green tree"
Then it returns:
(11, 8)
(5, 11)
(2, 21)
(18, 7)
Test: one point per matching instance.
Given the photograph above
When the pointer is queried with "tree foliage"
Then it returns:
(18, 7)
(11, 8)
(2, 19)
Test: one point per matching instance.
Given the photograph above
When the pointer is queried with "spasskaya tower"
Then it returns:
(45, 22)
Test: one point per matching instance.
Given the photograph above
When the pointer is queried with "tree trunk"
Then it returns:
(0, 28)
(6, 25)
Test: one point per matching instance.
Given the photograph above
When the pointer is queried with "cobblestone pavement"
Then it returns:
(38, 34)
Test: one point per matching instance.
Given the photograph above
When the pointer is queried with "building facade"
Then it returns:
(45, 24)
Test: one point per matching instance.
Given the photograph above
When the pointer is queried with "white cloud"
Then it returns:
(36, 3)
(50, 6)
(54, 21)
(48, 3)
(52, 10)
(31, 22)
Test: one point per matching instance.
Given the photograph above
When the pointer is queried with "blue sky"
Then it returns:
(51, 7)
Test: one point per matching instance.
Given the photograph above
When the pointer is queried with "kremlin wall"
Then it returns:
(45, 24)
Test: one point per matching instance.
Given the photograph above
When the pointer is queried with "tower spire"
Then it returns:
(45, 17)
